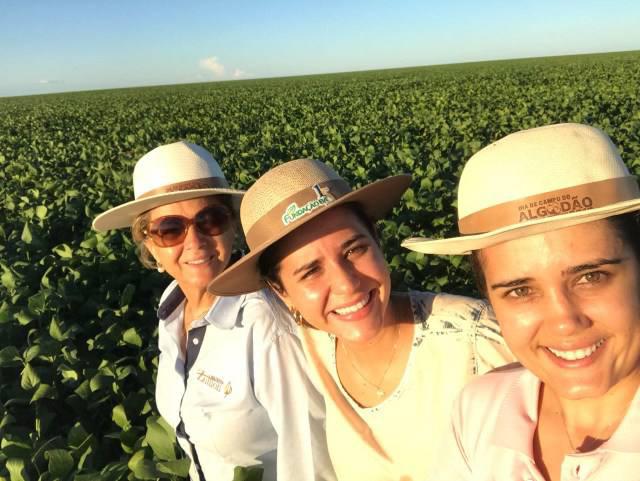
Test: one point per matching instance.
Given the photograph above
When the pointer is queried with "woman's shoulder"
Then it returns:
(449, 312)
(493, 385)
(263, 311)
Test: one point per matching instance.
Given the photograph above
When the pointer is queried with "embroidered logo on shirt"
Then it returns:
(214, 382)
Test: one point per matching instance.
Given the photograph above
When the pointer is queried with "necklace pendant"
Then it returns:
(380, 392)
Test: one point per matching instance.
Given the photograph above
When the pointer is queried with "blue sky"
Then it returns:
(48, 46)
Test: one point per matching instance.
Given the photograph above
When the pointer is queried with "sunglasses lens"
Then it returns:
(213, 220)
(169, 231)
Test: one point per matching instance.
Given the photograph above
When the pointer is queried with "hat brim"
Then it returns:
(465, 244)
(376, 199)
(123, 215)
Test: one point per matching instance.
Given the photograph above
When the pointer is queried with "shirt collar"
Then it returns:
(519, 415)
(222, 314)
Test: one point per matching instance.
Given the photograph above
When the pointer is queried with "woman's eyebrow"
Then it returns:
(351, 241)
(593, 265)
(513, 283)
(307, 266)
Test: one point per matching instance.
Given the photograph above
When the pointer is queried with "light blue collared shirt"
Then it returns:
(247, 399)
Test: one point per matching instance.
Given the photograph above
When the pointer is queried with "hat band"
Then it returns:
(204, 183)
(556, 202)
(293, 209)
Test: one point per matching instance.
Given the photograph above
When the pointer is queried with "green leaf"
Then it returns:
(5, 313)
(26, 236)
(44, 391)
(161, 438)
(29, 379)
(64, 251)
(60, 462)
(142, 468)
(119, 416)
(24, 317)
(248, 473)
(77, 435)
(38, 302)
(55, 330)
(179, 467)
(8, 279)
(99, 381)
(9, 356)
(41, 211)
(127, 295)
(17, 471)
(131, 336)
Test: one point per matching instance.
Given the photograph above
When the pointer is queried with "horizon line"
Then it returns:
(339, 72)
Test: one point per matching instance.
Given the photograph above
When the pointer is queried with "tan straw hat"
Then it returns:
(287, 197)
(169, 173)
(535, 181)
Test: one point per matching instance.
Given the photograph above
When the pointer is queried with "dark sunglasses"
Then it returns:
(170, 230)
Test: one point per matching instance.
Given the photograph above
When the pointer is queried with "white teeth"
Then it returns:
(354, 308)
(578, 353)
(198, 262)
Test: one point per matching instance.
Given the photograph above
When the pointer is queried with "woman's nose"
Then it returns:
(194, 238)
(344, 279)
(565, 315)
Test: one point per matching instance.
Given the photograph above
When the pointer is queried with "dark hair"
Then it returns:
(269, 262)
(627, 227)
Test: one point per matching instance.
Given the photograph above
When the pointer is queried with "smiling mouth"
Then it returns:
(343, 311)
(198, 262)
(577, 354)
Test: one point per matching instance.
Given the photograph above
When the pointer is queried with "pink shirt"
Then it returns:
(491, 436)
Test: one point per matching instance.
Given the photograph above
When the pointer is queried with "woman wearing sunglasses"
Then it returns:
(231, 376)
(548, 215)
(390, 363)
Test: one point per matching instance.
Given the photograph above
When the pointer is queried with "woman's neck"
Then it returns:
(589, 422)
(198, 302)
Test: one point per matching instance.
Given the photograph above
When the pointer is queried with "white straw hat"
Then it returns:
(169, 173)
(287, 197)
(535, 181)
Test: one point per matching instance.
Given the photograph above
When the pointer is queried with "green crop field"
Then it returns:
(77, 311)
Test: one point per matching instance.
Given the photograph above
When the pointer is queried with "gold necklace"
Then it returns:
(379, 391)
(566, 432)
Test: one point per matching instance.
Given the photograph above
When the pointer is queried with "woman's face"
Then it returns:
(333, 272)
(568, 303)
(199, 258)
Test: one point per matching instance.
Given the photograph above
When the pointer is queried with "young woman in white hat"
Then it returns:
(231, 380)
(390, 364)
(548, 215)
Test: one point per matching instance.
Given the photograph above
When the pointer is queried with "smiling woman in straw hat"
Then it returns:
(548, 215)
(231, 378)
(390, 363)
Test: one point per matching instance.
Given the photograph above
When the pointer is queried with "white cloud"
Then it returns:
(211, 64)
(48, 81)
(237, 73)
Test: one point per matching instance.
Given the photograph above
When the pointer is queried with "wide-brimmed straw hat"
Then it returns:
(287, 197)
(535, 181)
(169, 173)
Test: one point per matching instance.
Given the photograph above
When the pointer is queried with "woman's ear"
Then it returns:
(280, 292)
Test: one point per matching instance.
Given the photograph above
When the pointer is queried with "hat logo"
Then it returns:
(556, 205)
(294, 212)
